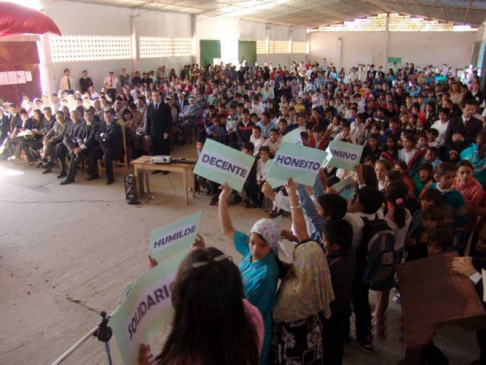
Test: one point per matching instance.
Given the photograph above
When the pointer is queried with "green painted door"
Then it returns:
(247, 52)
(209, 50)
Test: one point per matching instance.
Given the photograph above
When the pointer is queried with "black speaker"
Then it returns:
(130, 187)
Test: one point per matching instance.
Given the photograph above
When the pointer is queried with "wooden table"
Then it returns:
(144, 163)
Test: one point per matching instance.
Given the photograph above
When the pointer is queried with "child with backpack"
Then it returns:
(366, 219)
(398, 220)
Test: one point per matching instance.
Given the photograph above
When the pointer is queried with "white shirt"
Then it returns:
(357, 224)
(262, 169)
(400, 233)
(334, 129)
(64, 85)
(257, 143)
(357, 133)
(231, 123)
(340, 137)
(442, 128)
(258, 109)
(273, 146)
(316, 100)
(111, 82)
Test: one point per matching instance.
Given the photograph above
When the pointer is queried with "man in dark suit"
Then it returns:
(4, 125)
(463, 130)
(85, 82)
(85, 144)
(159, 124)
(110, 138)
(68, 143)
(18, 122)
(180, 102)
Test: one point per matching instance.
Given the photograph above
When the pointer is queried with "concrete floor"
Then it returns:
(67, 252)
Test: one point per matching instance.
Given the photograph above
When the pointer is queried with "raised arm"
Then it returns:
(298, 220)
(224, 216)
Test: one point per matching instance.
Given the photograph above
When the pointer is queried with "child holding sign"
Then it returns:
(259, 266)
(304, 297)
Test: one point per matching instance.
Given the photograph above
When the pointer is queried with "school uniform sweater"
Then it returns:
(453, 198)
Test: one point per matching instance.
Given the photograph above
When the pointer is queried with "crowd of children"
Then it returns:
(425, 197)
(419, 191)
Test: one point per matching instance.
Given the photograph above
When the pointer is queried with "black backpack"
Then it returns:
(377, 248)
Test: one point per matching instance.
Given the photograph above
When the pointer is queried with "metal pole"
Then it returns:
(74, 347)
(108, 354)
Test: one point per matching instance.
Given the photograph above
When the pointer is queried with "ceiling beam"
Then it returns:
(295, 10)
(468, 10)
(442, 9)
(380, 5)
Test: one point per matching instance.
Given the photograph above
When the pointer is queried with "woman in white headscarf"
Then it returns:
(259, 266)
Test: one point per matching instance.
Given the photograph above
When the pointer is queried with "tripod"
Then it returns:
(103, 333)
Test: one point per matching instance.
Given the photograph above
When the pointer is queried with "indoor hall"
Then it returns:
(121, 122)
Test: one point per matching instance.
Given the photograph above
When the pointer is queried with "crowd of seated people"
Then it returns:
(422, 176)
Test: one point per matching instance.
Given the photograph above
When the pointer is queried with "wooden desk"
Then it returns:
(143, 163)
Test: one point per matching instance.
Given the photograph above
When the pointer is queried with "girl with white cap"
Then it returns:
(259, 266)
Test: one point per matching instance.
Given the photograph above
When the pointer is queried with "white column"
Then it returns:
(45, 67)
(291, 45)
(267, 41)
(195, 43)
(387, 43)
(134, 44)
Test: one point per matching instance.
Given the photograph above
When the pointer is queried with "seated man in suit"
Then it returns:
(52, 139)
(85, 144)
(4, 124)
(463, 130)
(189, 114)
(68, 143)
(19, 121)
(110, 138)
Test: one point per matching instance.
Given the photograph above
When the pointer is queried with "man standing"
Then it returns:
(85, 82)
(111, 83)
(110, 138)
(86, 143)
(137, 80)
(66, 83)
(124, 78)
(159, 124)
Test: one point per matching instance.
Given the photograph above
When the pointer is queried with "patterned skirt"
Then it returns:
(297, 343)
